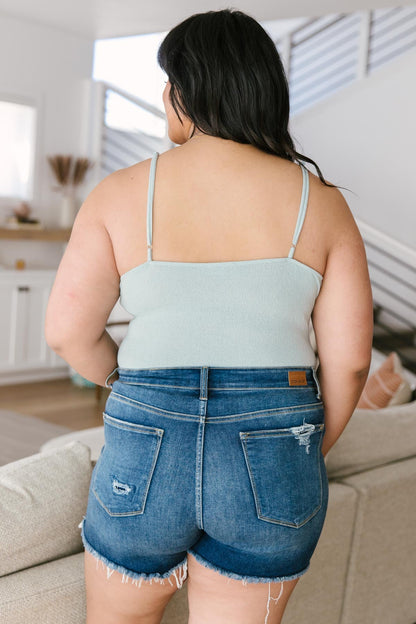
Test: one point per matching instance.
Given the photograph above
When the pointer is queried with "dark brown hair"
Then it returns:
(226, 76)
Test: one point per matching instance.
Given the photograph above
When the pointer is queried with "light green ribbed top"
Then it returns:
(249, 313)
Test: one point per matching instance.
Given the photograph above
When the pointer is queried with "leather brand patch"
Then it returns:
(297, 378)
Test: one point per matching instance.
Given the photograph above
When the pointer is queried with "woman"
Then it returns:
(223, 249)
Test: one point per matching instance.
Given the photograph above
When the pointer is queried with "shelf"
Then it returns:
(53, 234)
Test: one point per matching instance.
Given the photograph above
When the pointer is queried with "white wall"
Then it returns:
(363, 138)
(50, 68)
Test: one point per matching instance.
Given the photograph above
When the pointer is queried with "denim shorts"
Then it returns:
(222, 463)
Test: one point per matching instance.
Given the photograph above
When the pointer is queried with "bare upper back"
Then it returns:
(220, 201)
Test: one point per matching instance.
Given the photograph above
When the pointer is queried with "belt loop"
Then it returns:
(315, 376)
(107, 385)
(203, 382)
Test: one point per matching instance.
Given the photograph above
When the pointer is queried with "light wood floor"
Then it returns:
(57, 401)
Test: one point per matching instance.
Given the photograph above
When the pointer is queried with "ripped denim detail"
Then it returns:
(121, 488)
(303, 434)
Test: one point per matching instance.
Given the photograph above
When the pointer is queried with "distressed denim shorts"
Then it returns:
(222, 463)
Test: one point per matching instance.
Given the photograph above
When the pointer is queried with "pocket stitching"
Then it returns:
(243, 439)
(152, 431)
(131, 426)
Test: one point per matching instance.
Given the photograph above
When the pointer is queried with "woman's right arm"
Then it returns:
(343, 321)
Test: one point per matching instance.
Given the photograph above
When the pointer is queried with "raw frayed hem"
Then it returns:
(179, 572)
(246, 579)
(252, 579)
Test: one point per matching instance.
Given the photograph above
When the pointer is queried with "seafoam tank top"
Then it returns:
(243, 313)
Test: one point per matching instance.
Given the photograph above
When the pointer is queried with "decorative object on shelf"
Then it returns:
(68, 208)
(21, 219)
(22, 211)
(69, 174)
(14, 223)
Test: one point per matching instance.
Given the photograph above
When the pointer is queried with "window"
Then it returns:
(17, 150)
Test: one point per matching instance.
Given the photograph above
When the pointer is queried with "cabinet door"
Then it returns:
(6, 325)
(29, 303)
(23, 348)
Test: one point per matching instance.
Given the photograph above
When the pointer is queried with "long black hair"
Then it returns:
(226, 76)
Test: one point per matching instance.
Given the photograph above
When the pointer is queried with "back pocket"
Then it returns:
(284, 467)
(125, 467)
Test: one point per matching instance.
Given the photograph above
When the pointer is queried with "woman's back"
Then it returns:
(194, 302)
(218, 201)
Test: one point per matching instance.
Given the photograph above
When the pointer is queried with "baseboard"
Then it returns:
(18, 377)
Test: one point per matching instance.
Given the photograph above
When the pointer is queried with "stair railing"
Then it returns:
(392, 269)
(124, 128)
(327, 53)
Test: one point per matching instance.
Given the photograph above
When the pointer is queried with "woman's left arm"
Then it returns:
(85, 290)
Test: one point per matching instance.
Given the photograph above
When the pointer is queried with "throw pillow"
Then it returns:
(387, 386)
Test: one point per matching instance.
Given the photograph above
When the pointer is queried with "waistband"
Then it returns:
(223, 377)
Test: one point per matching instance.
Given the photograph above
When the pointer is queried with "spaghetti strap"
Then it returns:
(302, 209)
(150, 194)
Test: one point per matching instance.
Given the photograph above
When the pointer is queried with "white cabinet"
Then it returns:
(24, 353)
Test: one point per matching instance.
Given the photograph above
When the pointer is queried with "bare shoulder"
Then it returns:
(116, 191)
(335, 216)
(138, 171)
(346, 254)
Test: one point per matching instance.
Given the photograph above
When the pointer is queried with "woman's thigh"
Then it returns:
(114, 599)
(215, 599)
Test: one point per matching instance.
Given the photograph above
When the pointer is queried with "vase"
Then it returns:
(68, 210)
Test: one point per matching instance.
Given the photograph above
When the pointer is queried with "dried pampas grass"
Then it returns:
(81, 167)
(67, 171)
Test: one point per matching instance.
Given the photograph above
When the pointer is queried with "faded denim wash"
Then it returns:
(222, 463)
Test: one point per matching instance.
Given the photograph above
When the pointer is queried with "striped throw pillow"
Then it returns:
(386, 386)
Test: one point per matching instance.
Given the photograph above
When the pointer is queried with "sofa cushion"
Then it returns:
(51, 592)
(329, 564)
(373, 438)
(43, 498)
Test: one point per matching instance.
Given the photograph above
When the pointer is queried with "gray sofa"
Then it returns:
(362, 572)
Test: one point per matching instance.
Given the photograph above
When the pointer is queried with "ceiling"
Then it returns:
(100, 19)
